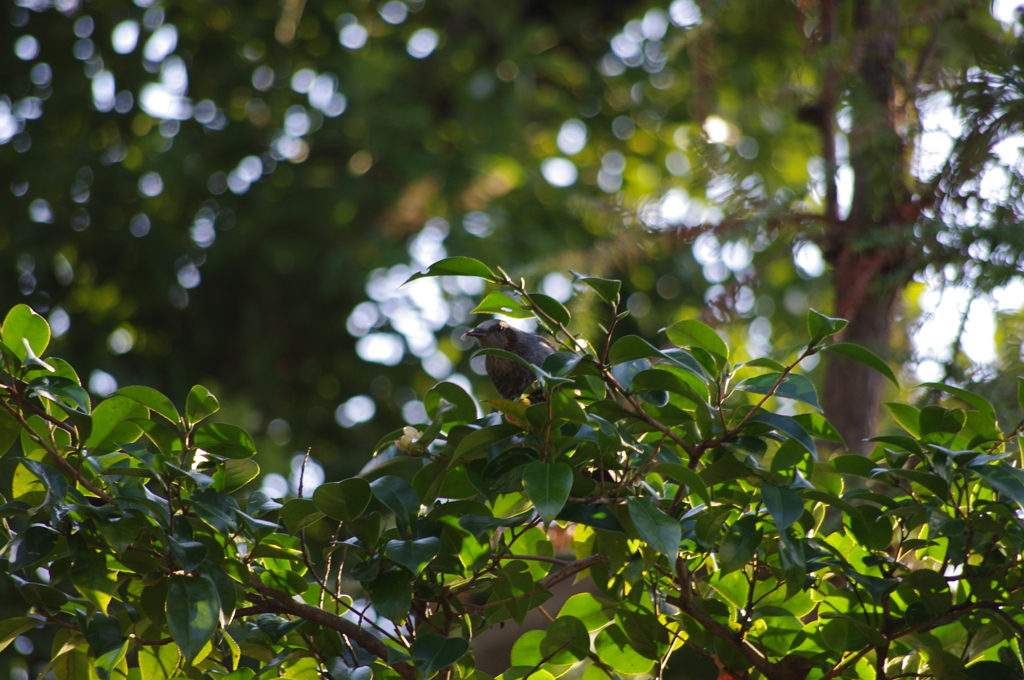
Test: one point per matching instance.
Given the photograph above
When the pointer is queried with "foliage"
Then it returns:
(175, 287)
(716, 526)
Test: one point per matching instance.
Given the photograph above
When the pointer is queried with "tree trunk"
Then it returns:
(866, 261)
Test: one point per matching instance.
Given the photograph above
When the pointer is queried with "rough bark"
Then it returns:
(865, 257)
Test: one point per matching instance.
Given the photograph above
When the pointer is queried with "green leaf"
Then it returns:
(107, 662)
(615, 649)
(30, 546)
(343, 501)
(864, 356)
(1004, 479)
(1020, 392)
(53, 386)
(481, 439)
(739, 544)
(794, 386)
(793, 562)
(438, 651)
(783, 504)
(237, 473)
(399, 497)
(594, 612)
(694, 333)
(566, 641)
(550, 307)
(458, 266)
(497, 302)
(908, 417)
(222, 439)
(548, 486)
(606, 289)
(10, 430)
(200, 404)
(159, 662)
(23, 324)
(788, 427)
(934, 483)
(11, 628)
(457, 405)
(979, 403)
(820, 326)
(193, 608)
(680, 474)
(391, 594)
(285, 580)
(152, 399)
(299, 513)
(661, 532)
(413, 555)
(597, 516)
(107, 415)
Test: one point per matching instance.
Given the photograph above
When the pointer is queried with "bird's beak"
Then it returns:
(472, 333)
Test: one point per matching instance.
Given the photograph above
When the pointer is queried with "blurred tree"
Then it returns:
(211, 191)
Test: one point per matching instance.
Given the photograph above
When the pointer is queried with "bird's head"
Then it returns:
(493, 333)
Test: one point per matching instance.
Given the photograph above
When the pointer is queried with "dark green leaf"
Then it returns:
(739, 544)
(680, 474)
(783, 504)
(193, 609)
(221, 439)
(864, 356)
(299, 513)
(456, 404)
(548, 486)
(343, 501)
(615, 649)
(108, 414)
(237, 473)
(399, 497)
(458, 266)
(1004, 479)
(413, 555)
(788, 427)
(662, 532)
(597, 516)
(552, 308)
(438, 651)
(794, 386)
(391, 594)
(52, 387)
(793, 562)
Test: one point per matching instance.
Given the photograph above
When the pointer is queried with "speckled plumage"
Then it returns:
(509, 377)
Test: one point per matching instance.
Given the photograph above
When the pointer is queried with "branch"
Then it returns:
(280, 603)
(790, 667)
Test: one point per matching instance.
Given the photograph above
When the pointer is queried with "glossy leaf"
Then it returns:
(820, 326)
(438, 651)
(343, 501)
(783, 504)
(453, 401)
(694, 333)
(550, 307)
(547, 485)
(299, 513)
(739, 544)
(413, 555)
(788, 427)
(193, 609)
(615, 649)
(23, 324)
(457, 266)
(222, 439)
(200, 404)
(864, 356)
(606, 289)
(794, 386)
(662, 532)
(497, 302)
(980, 403)
(399, 497)
(152, 399)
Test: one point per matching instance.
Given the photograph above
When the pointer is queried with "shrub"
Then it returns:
(716, 529)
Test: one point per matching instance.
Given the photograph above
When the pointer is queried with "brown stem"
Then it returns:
(280, 603)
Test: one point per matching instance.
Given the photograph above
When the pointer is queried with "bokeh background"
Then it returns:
(232, 192)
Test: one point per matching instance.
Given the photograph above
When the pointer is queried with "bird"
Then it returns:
(510, 377)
